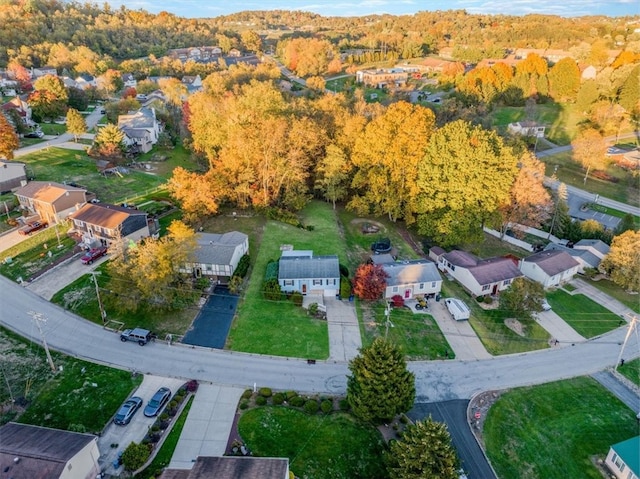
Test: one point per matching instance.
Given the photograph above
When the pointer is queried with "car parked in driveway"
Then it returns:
(127, 410)
(33, 227)
(93, 254)
(156, 403)
(34, 134)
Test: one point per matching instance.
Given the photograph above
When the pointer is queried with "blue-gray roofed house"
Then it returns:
(623, 459)
(411, 278)
(588, 252)
(217, 255)
(308, 274)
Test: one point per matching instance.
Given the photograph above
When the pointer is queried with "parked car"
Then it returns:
(158, 400)
(141, 336)
(33, 227)
(93, 254)
(127, 410)
(34, 134)
(545, 305)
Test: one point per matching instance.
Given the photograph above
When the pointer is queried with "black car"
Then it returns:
(34, 134)
(127, 410)
(158, 400)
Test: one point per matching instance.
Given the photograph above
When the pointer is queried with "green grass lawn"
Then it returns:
(587, 317)
(53, 128)
(554, 431)
(279, 327)
(31, 256)
(492, 246)
(163, 457)
(631, 370)
(334, 445)
(490, 326)
(570, 172)
(418, 335)
(632, 301)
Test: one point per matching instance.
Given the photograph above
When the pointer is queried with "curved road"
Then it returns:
(435, 380)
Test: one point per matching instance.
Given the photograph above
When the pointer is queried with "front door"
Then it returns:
(304, 289)
(407, 293)
(495, 289)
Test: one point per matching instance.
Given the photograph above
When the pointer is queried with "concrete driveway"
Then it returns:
(137, 428)
(344, 331)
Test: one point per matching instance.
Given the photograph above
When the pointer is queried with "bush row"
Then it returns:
(310, 405)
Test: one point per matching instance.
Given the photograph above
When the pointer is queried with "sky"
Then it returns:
(214, 8)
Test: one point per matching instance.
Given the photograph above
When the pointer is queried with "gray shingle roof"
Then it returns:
(587, 256)
(485, 271)
(596, 244)
(215, 248)
(231, 467)
(552, 262)
(461, 258)
(309, 268)
(411, 272)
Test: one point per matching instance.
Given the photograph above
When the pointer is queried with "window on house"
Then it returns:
(433, 285)
(453, 268)
(288, 282)
(395, 289)
(506, 282)
(317, 282)
(486, 287)
(421, 285)
(619, 464)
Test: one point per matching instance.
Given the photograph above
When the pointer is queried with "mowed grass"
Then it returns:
(331, 446)
(279, 327)
(555, 430)
(631, 370)
(631, 301)
(491, 329)
(587, 317)
(417, 335)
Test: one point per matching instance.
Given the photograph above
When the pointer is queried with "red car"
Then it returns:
(33, 227)
(93, 254)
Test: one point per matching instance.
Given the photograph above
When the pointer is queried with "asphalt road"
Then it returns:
(454, 414)
(435, 380)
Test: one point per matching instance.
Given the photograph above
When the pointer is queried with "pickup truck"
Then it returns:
(33, 227)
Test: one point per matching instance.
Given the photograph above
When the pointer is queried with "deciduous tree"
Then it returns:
(196, 193)
(54, 85)
(589, 150)
(251, 40)
(380, 386)
(369, 281)
(523, 298)
(8, 138)
(332, 175)
(109, 141)
(75, 123)
(424, 450)
(622, 263)
(564, 79)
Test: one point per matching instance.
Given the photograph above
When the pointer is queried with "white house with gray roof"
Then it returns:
(308, 274)
(217, 255)
(141, 129)
(412, 278)
(478, 276)
(588, 252)
(550, 267)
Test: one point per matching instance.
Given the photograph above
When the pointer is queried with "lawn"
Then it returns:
(279, 327)
(418, 335)
(66, 166)
(587, 317)
(36, 253)
(490, 326)
(163, 457)
(79, 396)
(492, 246)
(332, 446)
(631, 370)
(163, 161)
(631, 301)
(556, 430)
(570, 172)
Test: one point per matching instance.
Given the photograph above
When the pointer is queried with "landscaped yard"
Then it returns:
(329, 446)
(587, 317)
(79, 396)
(490, 326)
(609, 287)
(555, 431)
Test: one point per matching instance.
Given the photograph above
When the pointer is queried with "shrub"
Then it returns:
(173, 404)
(297, 401)
(243, 266)
(480, 299)
(272, 290)
(290, 394)
(313, 309)
(310, 227)
(488, 299)
(247, 393)
(311, 406)
(234, 284)
(398, 301)
(284, 216)
(296, 298)
(326, 406)
(192, 386)
(164, 416)
(404, 419)
(244, 405)
(345, 287)
(265, 392)
(277, 399)
(343, 404)
(261, 400)
(135, 455)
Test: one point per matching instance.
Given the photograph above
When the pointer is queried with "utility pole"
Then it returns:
(632, 326)
(387, 313)
(38, 318)
(103, 313)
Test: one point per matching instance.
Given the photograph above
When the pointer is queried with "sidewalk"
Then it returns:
(613, 305)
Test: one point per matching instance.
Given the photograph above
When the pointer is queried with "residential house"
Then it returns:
(588, 72)
(232, 467)
(13, 175)
(154, 97)
(193, 83)
(435, 65)
(308, 274)
(103, 224)
(411, 278)
(21, 107)
(129, 80)
(85, 81)
(141, 129)
(389, 77)
(589, 253)
(217, 255)
(8, 85)
(53, 202)
(623, 459)
(527, 128)
(234, 53)
(43, 71)
(550, 267)
(69, 82)
(509, 60)
(28, 452)
(479, 277)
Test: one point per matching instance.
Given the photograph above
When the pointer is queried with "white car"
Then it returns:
(545, 305)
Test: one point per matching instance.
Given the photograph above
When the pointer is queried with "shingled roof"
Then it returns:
(215, 248)
(231, 467)
(104, 215)
(46, 191)
(485, 271)
(411, 272)
(291, 267)
(552, 262)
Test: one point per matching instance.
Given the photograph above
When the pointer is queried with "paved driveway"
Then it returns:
(211, 326)
(344, 331)
(454, 414)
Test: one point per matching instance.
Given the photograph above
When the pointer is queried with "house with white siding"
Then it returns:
(550, 267)
(217, 255)
(409, 278)
(305, 273)
(623, 459)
